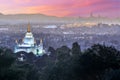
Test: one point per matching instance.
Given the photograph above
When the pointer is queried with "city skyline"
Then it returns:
(63, 8)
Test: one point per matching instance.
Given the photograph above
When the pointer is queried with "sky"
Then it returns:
(62, 8)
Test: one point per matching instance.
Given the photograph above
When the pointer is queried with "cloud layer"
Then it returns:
(110, 8)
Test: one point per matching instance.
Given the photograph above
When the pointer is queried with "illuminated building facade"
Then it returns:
(29, 44)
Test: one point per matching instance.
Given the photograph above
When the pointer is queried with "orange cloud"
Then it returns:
(48, 10)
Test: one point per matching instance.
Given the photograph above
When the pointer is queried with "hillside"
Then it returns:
(40, 18)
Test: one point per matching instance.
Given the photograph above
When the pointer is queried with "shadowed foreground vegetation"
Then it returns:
(99, 62)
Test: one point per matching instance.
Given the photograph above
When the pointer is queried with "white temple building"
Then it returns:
(29, 44)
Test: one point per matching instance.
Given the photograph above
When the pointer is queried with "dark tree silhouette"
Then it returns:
(76, 48)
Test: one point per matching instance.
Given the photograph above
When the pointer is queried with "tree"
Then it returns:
(6, 58)
(112, 75)
(96, 60)
(11, 70)
(76, 48)
(109, 55)
(63, 53)
(51, 50)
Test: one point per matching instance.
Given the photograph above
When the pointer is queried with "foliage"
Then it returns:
(76, 48)
(99, 62)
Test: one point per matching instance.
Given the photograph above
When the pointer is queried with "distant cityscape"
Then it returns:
(59, 34)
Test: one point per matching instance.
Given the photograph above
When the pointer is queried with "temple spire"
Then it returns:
(41, 41)
(16, 41)
(28, 28)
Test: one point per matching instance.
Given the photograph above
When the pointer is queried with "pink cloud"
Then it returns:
(22, 1)
(62, 7)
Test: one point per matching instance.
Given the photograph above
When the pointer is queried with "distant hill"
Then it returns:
(33, 18)
(1, 14)
(40, 18)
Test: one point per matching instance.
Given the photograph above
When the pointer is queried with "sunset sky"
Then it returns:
(61, 8)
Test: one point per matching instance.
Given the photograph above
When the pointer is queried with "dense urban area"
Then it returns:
(57, 35)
